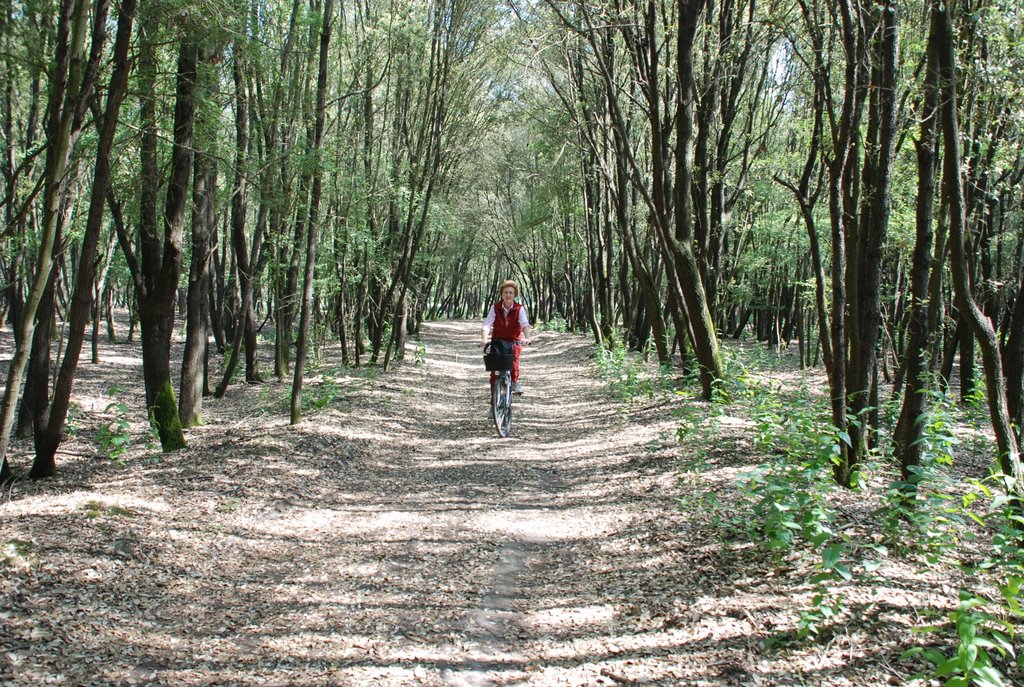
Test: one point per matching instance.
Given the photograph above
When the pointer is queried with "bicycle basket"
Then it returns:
(498, 357)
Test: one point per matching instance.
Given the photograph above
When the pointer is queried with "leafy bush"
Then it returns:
(626, 373)
(557, 324)
(114, 437)
(788, 509)
(323, 394)
(985, 627)
(920, 515)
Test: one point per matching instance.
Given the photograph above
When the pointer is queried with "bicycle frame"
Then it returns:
(501, 400)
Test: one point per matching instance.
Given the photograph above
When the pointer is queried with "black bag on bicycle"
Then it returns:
(498, 356)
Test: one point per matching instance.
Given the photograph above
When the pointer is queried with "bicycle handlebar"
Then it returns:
(514, 342)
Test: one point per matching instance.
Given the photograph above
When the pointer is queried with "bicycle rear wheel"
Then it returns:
(501, 401)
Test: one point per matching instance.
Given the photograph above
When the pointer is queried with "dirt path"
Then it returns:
(392, 539)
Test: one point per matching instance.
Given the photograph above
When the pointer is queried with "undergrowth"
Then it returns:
(114, 437)
(787, 505)
(627, 374)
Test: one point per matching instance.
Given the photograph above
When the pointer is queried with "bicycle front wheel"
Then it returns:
(501, 400)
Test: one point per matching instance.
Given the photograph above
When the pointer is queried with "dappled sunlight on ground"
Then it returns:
(393, 539)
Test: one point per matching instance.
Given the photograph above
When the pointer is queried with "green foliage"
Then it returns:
(324, 394)
(556, 324)
(982, 639)
(98, 509)
(229, 505)
(986, 627)
(18, 554)
(920, 516)
(626, 374)
(419, 355)
(789, 501)
(269, 401)
(72, 426)
(114, 437)
(824, 609)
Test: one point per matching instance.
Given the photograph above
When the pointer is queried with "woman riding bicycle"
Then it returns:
(506, 321)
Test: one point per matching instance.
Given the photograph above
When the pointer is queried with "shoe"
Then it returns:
(490, 413)
(517, 387)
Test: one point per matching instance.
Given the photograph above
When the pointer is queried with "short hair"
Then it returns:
(506, 283)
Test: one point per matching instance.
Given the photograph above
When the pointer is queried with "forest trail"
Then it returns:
(391, 539)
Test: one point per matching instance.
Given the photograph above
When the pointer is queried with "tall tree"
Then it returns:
(48, 438)
(313, 228)
(702, 327)
(204, 232)
(155, 273)
(867, 242)
(72, 78)
(245, 262)
(1008, 448)
(909, 429)
(841, 164)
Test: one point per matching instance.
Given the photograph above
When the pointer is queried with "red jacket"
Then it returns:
(507, 327)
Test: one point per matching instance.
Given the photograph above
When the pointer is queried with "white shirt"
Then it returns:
(489, 320)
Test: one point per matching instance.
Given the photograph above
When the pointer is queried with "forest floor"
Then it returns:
(392, 539)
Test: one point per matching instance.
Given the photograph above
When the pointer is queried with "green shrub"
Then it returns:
(114, 437)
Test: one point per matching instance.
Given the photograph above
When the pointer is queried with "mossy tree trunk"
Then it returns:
(158, 267)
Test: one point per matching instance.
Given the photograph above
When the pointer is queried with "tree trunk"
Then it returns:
(35, 399)
(245, 329)
(909, 429)
(1014, 352)
(1006, 441)
(70, 90)
(702, 328)
(197, 327)
(314, 215)
(843, 145)
(160, 264)
(101, 300)
(866, 315)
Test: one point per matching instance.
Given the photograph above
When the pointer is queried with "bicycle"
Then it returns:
(501, 391)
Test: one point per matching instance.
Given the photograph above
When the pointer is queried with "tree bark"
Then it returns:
(866, 315)
(1006, 442)
(160, 263)
(702, 328)
(909, 429)
(843, 133)
(314, 215)
(197, 327)
(245, 330)
(70, 90)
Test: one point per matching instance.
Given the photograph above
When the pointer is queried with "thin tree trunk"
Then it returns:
(704, 337)
(908, 431)
(245, 329)
(197, 327)
(70, 90)
(866, 310)
(1014, 352)
(314, 215)
(1006, 442)
(101, 296)
(841, 161)
(35, 399)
